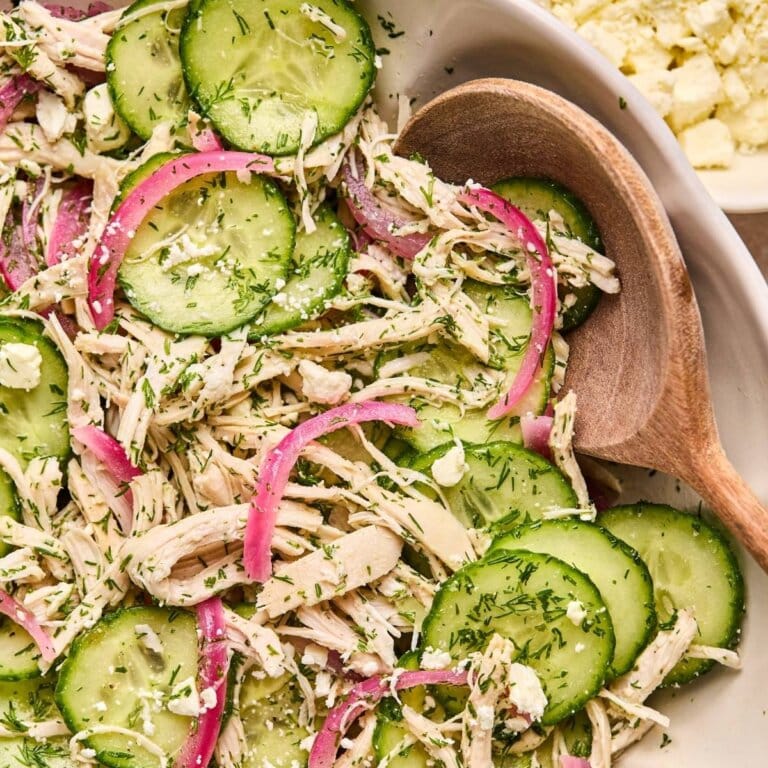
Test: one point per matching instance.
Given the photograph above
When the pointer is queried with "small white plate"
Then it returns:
(742, 188)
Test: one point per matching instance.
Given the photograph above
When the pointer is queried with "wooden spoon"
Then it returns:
(638, 364)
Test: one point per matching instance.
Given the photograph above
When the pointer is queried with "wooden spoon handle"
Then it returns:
(732, 500)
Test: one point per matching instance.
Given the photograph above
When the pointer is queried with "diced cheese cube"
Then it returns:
(583, 9)
(731, 46)
(709, 20)
(696, 91)
(646, 53)
(735, 89)
(708, 144)
(656, 86)
(759, 79)
(749, 125)
(606, 41)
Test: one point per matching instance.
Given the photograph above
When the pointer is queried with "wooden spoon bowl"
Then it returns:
(638, 364)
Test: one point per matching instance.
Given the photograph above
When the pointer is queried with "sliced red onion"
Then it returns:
(543, 290)
(279, 462)
(76, 14)
(110, 456)
(67, 322)
(536, 432)
(212, 674)
(11, 95)
(108, 451)
(123, 224)
(378, 222)
(363, 696)
(207, 141)
(18, 614)
(568, 761)
(29, 208)
(17, 262)
(71, 222)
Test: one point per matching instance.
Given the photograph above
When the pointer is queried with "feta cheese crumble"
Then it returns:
(323, 386)
(450, 468)
(703, 65)
(576, 612)
(525, 691)
(434, 659)
(20, 366)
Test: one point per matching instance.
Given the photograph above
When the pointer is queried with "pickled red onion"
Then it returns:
(124, 222)
(16, 612)
(108, 451)
(71, 222)
(206, 140)
(279, 462)
(536, 432)
(378, 222)
(543, 290)
(360, 698)
(11, 95)
(212, 674)
(568, 761)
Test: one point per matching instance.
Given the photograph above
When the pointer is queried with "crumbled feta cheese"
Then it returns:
(320, 385)
(692, 59)
(696, 91)
(100, 706)
(88, 753)
(433, 659)
(104, 129)
(53, 116)
(579, 647)
(207, 699)
(149, 639)
(485, 718)
(576, 612)
(184, 249)
(184, 699)
(525, 691)
(314, 656)
(450, 468)
(708, 144)
(20, 366)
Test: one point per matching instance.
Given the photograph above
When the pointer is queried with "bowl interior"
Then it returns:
(620, 356)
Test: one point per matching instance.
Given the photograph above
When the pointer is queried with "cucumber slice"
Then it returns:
(576, 731)
(259, 68)
(144, 70)
(111, 664)
(692, 567)
(23, 751)
(144, 171)
(316, 274)
(536, 198)
(269, 709)
(449, 364)
(614, 567)
(27, 700)
(524, 596)
(19, 654)
(207, 260)
(34, 423)
(9, 505)
(503, 482)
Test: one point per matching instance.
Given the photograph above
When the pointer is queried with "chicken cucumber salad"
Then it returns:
(286, 464)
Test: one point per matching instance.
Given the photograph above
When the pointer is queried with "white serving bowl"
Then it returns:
(720, 720)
